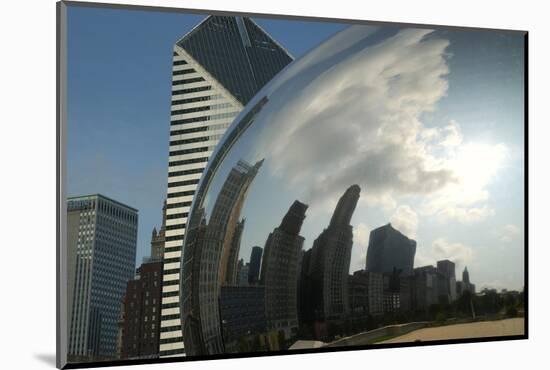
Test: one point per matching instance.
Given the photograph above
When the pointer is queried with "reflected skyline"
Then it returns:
(349, 112)
(432, 188)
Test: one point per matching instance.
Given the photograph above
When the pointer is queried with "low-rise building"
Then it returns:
(140, 322)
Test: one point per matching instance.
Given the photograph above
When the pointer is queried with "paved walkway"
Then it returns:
(459, 331)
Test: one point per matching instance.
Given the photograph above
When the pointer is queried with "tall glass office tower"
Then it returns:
(388, 250)
(101, 239)
(217, 68)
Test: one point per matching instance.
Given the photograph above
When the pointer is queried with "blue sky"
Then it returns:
(119, 84)
(466, 124)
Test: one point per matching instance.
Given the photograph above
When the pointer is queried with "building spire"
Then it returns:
(466, 275)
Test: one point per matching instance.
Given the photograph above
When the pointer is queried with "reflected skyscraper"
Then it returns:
(255, 264)
(280, 269)
(447, 268)
(232, 269)
(329, 260)
(388, 250)
(217, 68)
(466, 285)
(466, 276)
(213, 261)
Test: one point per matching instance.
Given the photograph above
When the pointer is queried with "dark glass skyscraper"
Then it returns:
(388, 250)
(217, 68)
(280, 269)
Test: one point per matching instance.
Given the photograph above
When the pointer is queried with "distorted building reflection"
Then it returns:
(326, 268)
(279, 274)
(215, 245)
(231, 269)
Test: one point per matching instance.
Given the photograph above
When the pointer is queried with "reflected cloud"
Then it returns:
(358, 121)
(461, 254)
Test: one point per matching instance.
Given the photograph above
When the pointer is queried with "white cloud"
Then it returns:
(474, 165)
(405, 220)
(452, 135)
(358, 122)
(383, 200)
(441, 248)
(465, 215)
(509, 233)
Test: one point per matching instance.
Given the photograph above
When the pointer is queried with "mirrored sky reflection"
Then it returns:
(399, 112)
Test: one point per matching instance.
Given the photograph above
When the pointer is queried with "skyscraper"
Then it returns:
(466, 284)
(102, 235)
(211, 251)
(280, 269)
(389, 249)
(243, 275)
(425, 288)
(329, 260)
(255, 263)
(217, 68)
(466, 276)
(447, 268)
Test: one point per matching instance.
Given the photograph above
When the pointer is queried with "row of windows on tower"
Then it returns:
(182, 183)
(178, 62)
(188, 161)
(187, 81)
(203, 118)
(187, 172)
(196, 99)
(191, 90)
(117, 212)
(183, 72)
(196, 140)
(188, 151)
(200, 129)
(201, 109)
(178, 205)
